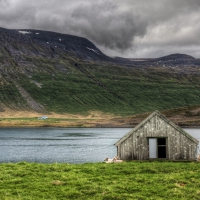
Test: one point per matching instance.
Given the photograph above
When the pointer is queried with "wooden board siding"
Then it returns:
(179, 145)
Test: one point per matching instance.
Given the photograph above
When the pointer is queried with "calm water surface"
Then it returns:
(71, 145)
(48, 145)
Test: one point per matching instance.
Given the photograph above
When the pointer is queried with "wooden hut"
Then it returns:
(157, 138)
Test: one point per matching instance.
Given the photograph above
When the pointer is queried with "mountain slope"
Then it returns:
(51, 72)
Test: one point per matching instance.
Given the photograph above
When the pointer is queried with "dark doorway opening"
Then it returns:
(161, 142)
(161, 152)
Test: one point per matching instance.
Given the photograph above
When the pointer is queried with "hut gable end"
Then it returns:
(157, 137)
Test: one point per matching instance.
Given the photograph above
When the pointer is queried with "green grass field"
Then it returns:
(127, 180)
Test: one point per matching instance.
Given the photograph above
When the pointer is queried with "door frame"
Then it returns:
(166, 146)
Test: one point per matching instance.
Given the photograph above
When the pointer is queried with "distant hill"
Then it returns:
(176, 56)
(51, 72)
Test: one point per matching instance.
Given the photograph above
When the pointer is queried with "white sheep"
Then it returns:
(113, 160)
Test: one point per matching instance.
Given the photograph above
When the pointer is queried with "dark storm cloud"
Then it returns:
(107, 25)
(128, 28)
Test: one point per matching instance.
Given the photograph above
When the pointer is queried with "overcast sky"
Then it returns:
(127, 28)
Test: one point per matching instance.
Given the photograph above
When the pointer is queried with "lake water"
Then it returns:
(63, 145)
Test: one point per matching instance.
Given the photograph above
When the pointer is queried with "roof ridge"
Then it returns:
(156, 112)
(179, 129)
(136, 127)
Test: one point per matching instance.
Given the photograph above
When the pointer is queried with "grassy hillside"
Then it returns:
(111, 88)
(66, 77)
(114, 89)
(128, 180)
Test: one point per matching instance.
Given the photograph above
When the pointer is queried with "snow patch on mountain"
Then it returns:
(95, 51)
(24, 32)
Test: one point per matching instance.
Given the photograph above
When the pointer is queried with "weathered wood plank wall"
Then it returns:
(178, 145)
